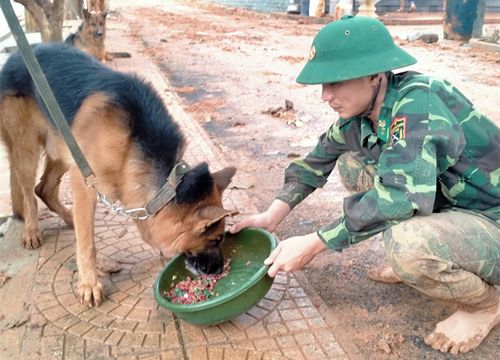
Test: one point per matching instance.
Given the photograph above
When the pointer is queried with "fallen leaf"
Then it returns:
(3, 278)
(384, 346)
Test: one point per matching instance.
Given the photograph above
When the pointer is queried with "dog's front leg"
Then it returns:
(84, 203)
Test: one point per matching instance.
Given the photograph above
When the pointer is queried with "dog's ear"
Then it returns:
(209, 215)
(223, 177)
(104, 14)
(86, 13)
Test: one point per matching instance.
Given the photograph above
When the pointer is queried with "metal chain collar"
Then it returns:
(134, 213)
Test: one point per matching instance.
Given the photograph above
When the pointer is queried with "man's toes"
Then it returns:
(456, 349)
(465, 348)
(429, 339)
(446, 345)
(436, 340)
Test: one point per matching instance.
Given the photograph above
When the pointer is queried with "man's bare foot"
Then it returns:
(383, 274)
(464, 331)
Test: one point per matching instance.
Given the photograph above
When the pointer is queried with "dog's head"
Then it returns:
(94, 24)
(193, 223)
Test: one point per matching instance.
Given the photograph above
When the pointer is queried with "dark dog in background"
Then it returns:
(131, 142)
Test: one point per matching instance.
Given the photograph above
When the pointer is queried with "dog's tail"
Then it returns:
(119, 54)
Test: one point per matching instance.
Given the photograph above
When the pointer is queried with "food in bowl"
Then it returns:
(192, 291)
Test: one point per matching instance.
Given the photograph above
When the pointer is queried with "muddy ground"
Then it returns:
(233, 70)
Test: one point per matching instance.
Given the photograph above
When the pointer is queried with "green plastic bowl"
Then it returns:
(246, 283)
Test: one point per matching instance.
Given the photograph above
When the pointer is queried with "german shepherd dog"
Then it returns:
(132, 144)
(90, 37)
(91, 34)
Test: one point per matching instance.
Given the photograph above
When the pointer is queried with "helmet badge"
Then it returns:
(312, 53)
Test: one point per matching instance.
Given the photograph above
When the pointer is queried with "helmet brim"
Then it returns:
(324, 72)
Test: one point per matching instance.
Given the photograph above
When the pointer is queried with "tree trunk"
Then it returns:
(48, 16)
(29, 22)
(73, 9)
(56, 20)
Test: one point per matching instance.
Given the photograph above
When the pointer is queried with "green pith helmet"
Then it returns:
(350, 48)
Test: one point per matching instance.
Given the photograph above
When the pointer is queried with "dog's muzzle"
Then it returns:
(210, 261)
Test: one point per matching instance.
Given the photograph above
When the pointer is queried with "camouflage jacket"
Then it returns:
(430, 142)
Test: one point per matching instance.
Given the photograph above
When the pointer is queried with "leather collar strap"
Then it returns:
(167, 191)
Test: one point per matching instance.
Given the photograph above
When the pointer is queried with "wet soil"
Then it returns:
(234, 71)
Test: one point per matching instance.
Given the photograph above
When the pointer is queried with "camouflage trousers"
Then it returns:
(452, 255)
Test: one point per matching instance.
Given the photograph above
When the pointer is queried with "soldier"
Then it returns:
(402, 3)
(425, 168)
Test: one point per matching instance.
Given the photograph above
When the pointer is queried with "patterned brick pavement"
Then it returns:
(129, 324)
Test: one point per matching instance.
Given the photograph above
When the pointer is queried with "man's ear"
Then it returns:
(375, 78)
(210, 215)
(223, 177)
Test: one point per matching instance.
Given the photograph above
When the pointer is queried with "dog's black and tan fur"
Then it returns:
(131, 142)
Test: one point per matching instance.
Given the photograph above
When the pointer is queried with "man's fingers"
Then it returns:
(238, 226)
(235, 228)
(274, 254)
(275, 267)
(246, 222)
(273, 270)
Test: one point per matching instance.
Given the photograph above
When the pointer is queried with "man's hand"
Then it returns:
(262, 220)
(268, 220)
(294, 253)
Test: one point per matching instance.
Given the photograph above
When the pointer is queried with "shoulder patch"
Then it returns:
(398, 129)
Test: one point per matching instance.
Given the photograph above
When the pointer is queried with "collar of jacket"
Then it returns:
(385, 117)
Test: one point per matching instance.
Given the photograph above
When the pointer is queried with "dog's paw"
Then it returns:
(90, 295)
(31, 240)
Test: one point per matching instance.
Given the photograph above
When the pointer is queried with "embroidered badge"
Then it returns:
(398, 129)
(383, 130)
(312, 53)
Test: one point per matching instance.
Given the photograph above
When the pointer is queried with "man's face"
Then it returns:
(351, 97)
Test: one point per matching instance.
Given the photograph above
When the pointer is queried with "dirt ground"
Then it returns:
(235, 73)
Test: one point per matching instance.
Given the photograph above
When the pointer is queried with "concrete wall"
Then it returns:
(257, 5)
(429, 5)
(382, 5)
